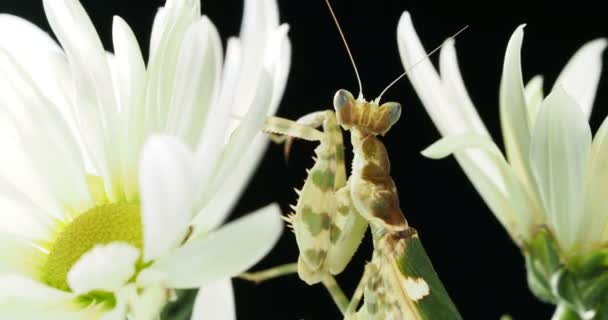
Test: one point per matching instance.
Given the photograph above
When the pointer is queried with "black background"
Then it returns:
(483, 271)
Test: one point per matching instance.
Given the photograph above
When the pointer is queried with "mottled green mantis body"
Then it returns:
(327, 230)
(332, 215)
(399, 282)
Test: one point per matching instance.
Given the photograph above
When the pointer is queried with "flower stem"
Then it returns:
(564, 313)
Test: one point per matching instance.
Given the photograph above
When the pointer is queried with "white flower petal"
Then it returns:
(44, 135)
(455, 91)
(223, 253)
(513, 111)
(149, 303)
(277, 61)
(131, 77)
(18, 171)
(580, 77)
(211, 141)
(167, 39)
(450, 144)
(46, 311)
(559, 153)
(197, 79)
(167, 16)
(18, 288)
(42, 59)
(20, 217)
(18, 256)
(216, 211)
(232, 158)
(166, 183)
(534, 97)
(512, 206)
(446, 100)
(215, 301)
(105, 267)
(33, 49)
(448, 105)
(95, 100)
(596, 202)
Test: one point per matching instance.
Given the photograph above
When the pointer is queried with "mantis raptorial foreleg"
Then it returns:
(328, 229)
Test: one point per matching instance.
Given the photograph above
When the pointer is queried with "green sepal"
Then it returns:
(590, 265)
(542, 261)
(416, 263)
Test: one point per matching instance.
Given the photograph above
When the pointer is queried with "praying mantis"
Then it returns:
(333, 213)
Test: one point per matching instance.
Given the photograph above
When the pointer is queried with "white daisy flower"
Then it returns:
(540, 134)
(115, 177)
(549, 192)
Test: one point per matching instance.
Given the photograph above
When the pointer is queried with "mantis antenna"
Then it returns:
(350, 55)
(408, 69)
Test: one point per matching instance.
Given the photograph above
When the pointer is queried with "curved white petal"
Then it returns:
(260, 20)
(45, 136)
(513, 111)
(232, 161)
(131, 81)
(277, 62)
(95, 103)
(166, 183)
(196, 83)
(223, 253)
(42, 59)
(33, 49)
(534, 97)
(559, 153)
(105, 267)
(426, 81)
(450, 144)
(449, 107)
(215, 301)
(512, 206)
(581, 75)
(454, 89)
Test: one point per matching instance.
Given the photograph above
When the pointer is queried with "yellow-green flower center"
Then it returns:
(100, 225)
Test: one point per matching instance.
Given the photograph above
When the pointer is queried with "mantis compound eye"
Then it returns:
(394, 111)
(342, 99)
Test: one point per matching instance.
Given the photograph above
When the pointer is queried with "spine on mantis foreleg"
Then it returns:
(328, 231)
